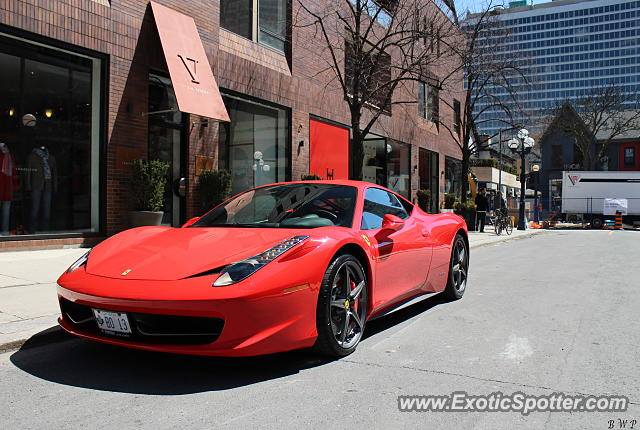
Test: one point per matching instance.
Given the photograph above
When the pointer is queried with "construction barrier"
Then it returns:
(618, 224)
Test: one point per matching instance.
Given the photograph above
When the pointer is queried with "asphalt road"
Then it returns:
(557, 312)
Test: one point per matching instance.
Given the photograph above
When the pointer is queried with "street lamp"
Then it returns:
(521, 145)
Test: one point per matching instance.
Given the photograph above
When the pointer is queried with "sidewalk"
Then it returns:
(28, 303)
(489, 237)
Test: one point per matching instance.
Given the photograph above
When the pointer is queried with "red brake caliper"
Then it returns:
(353, 287)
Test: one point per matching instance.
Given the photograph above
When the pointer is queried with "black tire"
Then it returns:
(596, 222)
(458, 269)
(341, 314)
(508, 227)
(498, 227)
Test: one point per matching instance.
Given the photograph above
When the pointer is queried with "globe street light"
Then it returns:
(521, 145)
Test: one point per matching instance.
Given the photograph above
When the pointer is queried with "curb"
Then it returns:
(506, 239)
(45, 337)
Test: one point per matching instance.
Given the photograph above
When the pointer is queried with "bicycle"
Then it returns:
(502, 223)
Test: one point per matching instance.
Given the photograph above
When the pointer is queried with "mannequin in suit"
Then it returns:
(42, 183)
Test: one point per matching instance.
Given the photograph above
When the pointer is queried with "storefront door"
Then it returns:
(328, 150)
(428, 171)
(166, 137)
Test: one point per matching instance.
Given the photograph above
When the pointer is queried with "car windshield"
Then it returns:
(304, 205)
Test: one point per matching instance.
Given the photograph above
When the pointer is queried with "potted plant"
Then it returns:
(310, 178)
(424, 199)
(467, 210)
(148, 183)
(215, 187)
(449, 202)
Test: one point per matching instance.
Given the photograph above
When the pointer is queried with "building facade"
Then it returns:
(569, 47)
(91, 85)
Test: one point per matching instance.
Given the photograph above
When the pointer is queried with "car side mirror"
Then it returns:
(191, 221)
(392, 222)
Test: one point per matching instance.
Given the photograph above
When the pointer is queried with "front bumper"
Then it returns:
(253, 321)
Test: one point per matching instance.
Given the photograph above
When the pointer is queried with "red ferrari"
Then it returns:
(279, 267)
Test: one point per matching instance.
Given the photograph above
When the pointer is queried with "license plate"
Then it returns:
(112, 322)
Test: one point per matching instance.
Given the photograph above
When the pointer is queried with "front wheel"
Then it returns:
(342, 307)
(508, 226)
(458, 269)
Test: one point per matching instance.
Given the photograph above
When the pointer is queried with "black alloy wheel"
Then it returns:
(342, 307)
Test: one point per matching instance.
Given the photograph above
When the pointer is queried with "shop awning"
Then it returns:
(191, 76)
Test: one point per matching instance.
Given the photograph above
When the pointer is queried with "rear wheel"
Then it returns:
(458, 269)
(498, 227)
(342, 307)
(596, 222)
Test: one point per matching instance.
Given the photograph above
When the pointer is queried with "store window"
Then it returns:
(398, 168)
(452, 173)
(629, 157)
(375, 71)
(263, 21)
(428, 171)
(253, 145)
(49, 134)
(429, 102)
(387, 162)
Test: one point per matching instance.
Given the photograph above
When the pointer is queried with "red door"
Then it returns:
(328, 150)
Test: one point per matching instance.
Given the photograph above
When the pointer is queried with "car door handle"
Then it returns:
(425, 232)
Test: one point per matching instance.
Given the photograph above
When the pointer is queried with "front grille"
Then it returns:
(149, 328)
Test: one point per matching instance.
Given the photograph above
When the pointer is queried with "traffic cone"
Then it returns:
(618, 224)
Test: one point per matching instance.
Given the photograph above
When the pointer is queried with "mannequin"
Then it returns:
(8, 182)
(42, 183)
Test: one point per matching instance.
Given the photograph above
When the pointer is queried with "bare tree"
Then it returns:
(372, 49)
(492, 81)
(606, 113)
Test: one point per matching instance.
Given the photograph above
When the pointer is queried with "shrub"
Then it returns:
(424, 199)
(215, 187)
(148, 183)
(468, 206)
(449, 200)
(310, 178)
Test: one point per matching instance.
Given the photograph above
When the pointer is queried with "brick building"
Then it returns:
(89, 85)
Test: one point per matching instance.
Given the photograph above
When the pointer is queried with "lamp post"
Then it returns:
(536, 169)
(521, 145)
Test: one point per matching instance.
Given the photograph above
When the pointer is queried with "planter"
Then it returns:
(470, 218)
(142, 218)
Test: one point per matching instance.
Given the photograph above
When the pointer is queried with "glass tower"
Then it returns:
(570, 47)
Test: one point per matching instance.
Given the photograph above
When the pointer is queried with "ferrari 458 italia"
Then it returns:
(275, 268)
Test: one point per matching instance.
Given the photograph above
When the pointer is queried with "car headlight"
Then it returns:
(236, 272)
(79, 262)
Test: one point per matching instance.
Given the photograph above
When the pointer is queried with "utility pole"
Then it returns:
(500, 164)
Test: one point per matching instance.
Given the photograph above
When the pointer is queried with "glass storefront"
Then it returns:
(49, 140)
(452, 173)
(253, 145)
(399, 168)
(387, 162)
(166, 128)
(428, 171)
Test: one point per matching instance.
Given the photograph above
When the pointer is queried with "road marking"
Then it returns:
(517, 348)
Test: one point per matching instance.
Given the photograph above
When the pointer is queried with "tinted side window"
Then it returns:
(377, 204)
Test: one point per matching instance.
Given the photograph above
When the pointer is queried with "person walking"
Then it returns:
(481, 209)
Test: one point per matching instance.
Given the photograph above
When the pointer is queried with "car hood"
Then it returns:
(165, 253)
